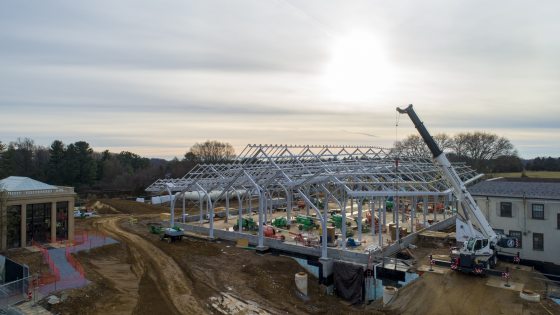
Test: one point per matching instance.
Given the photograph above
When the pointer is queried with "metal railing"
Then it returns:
(24, 193)
(14, 292)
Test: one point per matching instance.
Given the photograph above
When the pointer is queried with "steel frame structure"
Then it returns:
(312, 173)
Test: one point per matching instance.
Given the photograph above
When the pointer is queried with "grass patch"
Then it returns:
(530, 174)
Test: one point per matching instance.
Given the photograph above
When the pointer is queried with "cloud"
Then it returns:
(159, 76)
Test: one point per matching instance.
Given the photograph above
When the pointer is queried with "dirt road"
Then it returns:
(149, 259)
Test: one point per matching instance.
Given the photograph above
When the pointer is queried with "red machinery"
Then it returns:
(270, 232)
(308, 240)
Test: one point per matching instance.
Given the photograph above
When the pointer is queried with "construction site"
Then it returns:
(296, 229)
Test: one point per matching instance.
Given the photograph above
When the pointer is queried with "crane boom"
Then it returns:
(470, 208)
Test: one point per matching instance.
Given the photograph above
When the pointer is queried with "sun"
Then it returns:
(358, 69)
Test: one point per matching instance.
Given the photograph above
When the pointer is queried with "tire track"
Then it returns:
(147, 258)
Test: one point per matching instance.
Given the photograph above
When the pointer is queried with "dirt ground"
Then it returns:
(143, 275)
(34, 260)
(459, 293)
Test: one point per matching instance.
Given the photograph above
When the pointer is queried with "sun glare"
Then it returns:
(358, 69)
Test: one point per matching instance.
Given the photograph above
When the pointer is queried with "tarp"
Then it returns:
(348, 281)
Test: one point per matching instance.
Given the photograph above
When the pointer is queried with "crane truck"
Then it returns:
(481, 244)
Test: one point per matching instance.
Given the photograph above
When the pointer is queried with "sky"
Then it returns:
(155, 77)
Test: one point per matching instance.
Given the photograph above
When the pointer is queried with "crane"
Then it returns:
(479, 250)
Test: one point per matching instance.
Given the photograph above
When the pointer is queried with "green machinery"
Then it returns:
(248, 224)
(336, 221)
(155, 229)
(389, 204)
(365, 226)
(306, 223)
(281, 222)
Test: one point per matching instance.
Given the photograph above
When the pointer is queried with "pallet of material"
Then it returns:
(437, 234)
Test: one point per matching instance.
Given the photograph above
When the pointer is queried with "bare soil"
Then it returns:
(34, 260)
(143, 275)
(459, 293)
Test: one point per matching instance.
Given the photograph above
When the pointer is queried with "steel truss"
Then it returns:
(318, 175)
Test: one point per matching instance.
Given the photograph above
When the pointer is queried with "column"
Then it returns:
(265, 207)
(396, 211)
(70, 218)
(53, 222)
(227, 207)
(261, 226)
(184, 208)
(210, 216)
(412, 214)
(424, 208)
(324, 250)
(381, 221)
(372, 211)
(343, 223)
(434, 208)
(359, 220)
(289, 206)
(384, 207)
(23, 225)
(200, 205)
(240, 213)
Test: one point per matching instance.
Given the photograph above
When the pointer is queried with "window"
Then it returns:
(478, 245)
(538, 241)
(499, 231)
(538, 211)
(505, 209)
(518, 235)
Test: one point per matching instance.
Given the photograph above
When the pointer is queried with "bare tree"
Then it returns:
(211, 151)
(414, 145)
(479, 146)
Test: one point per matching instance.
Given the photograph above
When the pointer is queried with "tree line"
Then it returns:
(544, 164)
(78, 165)
(485, 152)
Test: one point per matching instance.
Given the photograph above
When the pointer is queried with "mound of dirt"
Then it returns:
(34, 260)
(458, 293)
(120, 206)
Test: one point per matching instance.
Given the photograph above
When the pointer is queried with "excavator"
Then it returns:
(481, 244)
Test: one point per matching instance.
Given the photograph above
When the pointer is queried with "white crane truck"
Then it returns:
(481, 244)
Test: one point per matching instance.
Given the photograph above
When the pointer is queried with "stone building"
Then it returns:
(34, 212)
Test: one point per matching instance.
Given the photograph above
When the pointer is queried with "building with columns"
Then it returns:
(34, 212)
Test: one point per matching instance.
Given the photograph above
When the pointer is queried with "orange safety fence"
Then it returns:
(74, 263)
(54, 274)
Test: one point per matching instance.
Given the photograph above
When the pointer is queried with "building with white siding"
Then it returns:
(528, 210)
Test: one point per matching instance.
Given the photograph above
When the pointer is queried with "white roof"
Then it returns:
(18, 183)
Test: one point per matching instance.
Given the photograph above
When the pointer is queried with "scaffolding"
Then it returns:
(317, 175)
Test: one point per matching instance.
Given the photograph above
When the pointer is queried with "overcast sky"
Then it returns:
(154, 77)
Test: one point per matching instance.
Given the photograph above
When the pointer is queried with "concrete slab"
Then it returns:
(435, 269)
(368, 238)
(31, 308)
(500, 283)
